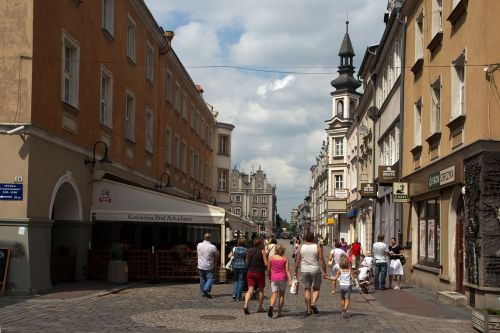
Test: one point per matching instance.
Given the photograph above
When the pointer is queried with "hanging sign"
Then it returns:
(388, 174)
(368, 190)
(400, 192)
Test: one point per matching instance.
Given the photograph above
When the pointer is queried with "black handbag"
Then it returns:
(402, 260)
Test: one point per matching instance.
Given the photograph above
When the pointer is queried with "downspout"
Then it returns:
(401, 119)
(374, 200)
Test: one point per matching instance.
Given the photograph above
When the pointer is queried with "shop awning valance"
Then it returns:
(237, 223)
(113, 201)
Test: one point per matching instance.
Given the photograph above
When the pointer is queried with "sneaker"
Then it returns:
(270, 312)
(245, 310)
(234, 298)
(396, 287)
(314, 309)
(207, 294)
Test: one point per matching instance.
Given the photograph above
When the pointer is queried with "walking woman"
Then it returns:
(395, 267)
(345, 277)
(277, 267)
(239, 253)
(256, 268)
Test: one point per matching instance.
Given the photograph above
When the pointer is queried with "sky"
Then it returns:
(278, 97)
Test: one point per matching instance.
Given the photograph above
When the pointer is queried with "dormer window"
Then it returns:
(340, 108)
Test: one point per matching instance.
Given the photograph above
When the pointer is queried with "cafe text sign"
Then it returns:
(443, 177)
(388, 174)
(368, 190)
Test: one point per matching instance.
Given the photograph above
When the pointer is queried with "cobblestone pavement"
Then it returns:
(179, 308)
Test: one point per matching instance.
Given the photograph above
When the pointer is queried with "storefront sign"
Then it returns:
(388, 174)
(368, 190)
(331, 221)
(443, 177)
(11, 191)
(336, 205)
(400, 192)
(341, 193)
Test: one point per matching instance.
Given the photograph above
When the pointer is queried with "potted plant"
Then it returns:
(117, 266)
(486, 320)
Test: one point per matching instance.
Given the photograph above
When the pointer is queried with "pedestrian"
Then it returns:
(207, 257)
(277, 266)
(343, 245)
(271, 248)
(256, 268)
(380, 252)
(346, 277)
(239, 253)
(395, 266)
(356, 252)
(311, 263)
(334, 262)
(296, 246)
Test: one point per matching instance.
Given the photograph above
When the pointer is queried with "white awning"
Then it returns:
(113, 201)
(235, 222)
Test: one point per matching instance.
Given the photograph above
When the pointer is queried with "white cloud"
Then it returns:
(275, 85)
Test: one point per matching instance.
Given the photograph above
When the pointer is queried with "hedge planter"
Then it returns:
(484, 321)
(117, 271)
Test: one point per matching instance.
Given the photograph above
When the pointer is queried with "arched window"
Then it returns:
(340, 108)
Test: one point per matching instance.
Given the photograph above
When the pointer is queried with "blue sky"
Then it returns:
(278, 112)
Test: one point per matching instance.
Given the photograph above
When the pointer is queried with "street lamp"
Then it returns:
(104, 159)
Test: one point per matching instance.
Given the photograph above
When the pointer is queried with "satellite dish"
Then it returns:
(362, 130)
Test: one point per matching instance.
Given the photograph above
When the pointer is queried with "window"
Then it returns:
(237, 198)
(70, 70)
(207, 130)
(193, 116)
(255, 200)
(207, 174)
(184, 157)
(149, 62)
(197, 123)
(263, 199)
(106, 111)
(458, 87)
(170, 87)
(437, 16)
(429, 232)
(237, 211)
(340, 108)
(196, 167)
(149, 131)
(177, 97)
(254, 212)
(263, 213)
(339, 147)
(202, 171)
(130, 117)
(168, 146)
(417, 120)
(435, 107)
(131, 31)
(222, 179)
(234, 185)
(185, 107)
(191, 163)
(107, 16)
(397, 64)
(339, 182)
(223, 145)
(202, 129)
(419, 37)
(176, 152)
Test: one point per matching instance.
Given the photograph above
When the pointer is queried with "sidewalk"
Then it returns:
(83, 289)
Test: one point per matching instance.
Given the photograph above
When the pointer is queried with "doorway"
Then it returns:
(459, 247)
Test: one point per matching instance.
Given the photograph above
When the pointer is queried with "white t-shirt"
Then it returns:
(379, 252)
(337, 254)
(367, 262)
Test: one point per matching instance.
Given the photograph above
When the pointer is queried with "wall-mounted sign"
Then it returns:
(331, 221)
(336, 205)
(400, 192)
(388, 174)
(443, 177)
(368, 190)
(341, 193)
(11, 191)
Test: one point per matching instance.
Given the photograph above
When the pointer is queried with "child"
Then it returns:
(277, 267)
(366, 265)
(334, 259)
(345, 276)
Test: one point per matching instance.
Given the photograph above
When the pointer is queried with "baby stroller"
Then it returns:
(365, 284)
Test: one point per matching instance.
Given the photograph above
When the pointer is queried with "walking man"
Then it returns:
(380, 252)
(207, 257)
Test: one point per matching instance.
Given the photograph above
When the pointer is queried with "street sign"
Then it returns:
(331, 221)
(11, 191)
(400, 192)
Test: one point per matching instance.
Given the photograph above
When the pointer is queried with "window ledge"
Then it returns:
(108, 34)
(456, 122)
(130, 141)
(429, 269)
(107, 127)
(416, 150)
(70, 107)
(130, 60)
(417, 66)
(435, 41)
(433, 138)
(457, 12)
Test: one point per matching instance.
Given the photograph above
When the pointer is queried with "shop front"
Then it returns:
(157, 232)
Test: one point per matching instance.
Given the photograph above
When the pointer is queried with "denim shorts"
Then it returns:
(345, 292)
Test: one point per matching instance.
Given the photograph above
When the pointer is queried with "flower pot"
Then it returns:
(485, 322)
(117, 271)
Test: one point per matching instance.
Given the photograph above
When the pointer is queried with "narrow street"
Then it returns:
(177, 307)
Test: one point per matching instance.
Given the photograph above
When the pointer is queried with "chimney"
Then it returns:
(169, 35)
(199, 89)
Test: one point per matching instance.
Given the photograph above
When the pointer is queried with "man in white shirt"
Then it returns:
(380, 252)
(207, 257)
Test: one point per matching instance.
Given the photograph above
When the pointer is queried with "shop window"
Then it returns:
(429, 232)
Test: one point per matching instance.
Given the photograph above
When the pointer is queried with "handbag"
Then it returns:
(229, 264)
(402, 260)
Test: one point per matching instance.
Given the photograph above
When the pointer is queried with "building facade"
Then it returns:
(451, 147)
(87, 82)
(319, 193)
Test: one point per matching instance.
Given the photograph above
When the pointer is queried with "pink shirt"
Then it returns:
(278, 270)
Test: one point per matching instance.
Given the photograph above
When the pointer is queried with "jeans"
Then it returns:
(238, 278)
(207, 279)
(380, 269)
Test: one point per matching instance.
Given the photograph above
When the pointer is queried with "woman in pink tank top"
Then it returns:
(277, 267)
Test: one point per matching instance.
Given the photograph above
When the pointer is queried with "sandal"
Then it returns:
(314, 309)
(245, 310)
(309, 312)
(270, 312)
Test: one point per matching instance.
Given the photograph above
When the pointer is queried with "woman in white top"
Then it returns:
(334, 260)
(345, 277)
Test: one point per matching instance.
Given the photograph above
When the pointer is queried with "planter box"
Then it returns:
(117, 271)
(484, 322)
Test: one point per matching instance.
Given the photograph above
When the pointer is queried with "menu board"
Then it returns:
(431, 240)
(422, 238)
(4, 268)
